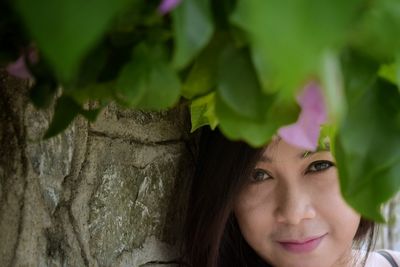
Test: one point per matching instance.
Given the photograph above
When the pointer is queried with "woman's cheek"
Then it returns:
(254, 208)
(255, 196)
(333, 209)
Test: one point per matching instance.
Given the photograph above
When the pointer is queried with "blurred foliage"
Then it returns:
(238, 63)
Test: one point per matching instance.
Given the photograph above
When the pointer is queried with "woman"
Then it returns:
(273, 206)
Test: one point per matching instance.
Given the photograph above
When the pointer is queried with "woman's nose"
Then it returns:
(294, 204)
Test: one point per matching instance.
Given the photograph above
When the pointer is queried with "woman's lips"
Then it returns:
(305, 246)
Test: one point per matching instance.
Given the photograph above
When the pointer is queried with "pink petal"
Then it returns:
(19, 69)
(305, 132)
(167, 5)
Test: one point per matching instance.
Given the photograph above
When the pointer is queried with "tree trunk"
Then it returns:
(111, 193)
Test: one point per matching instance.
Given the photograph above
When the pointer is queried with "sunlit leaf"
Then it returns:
(332, 84)
(202, 112)
(327, 137)
(391, 72)
(388, 72)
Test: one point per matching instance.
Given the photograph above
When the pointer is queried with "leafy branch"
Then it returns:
(239, 64)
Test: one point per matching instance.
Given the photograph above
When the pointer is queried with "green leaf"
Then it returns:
(65, 30)
(91, 67)
(391, 72)
(65, 111)
(42, 93)
(162, 88)
(328, 136)
(266, 73)
(243, 110)
(222, 10)
(92, 114)
(202, 112)
(131, 83)
(288, 38)
(148, 81)
(202, 77)
(93, 91)
(333, 85)
(134, 14)
(235, 127)
(255, 132)
(238, 84)
(193, 28)
(377, 34)
(388, 72)
(367, 149)
(359, 73)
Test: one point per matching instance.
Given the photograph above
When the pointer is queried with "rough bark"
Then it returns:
(111, 193)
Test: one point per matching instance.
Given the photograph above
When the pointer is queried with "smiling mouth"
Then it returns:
(302, 246)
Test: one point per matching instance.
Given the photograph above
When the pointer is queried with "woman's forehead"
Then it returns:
(278, 150)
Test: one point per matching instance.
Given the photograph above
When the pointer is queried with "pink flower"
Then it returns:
(305, 132)
(167, 5)
(19, 69)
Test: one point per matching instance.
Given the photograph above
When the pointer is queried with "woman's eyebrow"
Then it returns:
(307, 153)
(265, 159)
(303, 154)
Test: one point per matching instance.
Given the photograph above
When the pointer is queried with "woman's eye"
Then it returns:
(320, 166)
(259, 175)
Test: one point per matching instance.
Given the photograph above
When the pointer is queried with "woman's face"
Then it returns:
(291, 212)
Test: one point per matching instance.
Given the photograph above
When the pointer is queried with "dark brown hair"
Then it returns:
(211, 234)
